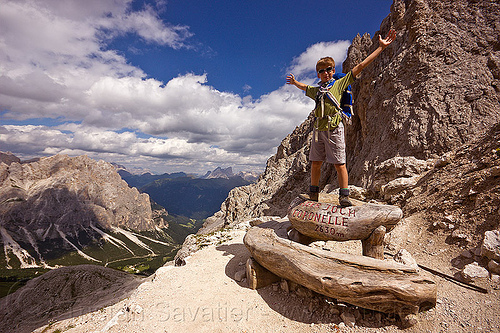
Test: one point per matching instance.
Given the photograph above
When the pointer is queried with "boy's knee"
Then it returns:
(340, 166)
(317, 164)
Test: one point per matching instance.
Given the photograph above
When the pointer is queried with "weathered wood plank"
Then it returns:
(373, 246)
(258, 276)
(370, 283)
(327, 221)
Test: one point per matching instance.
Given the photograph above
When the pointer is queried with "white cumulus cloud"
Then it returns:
(53, 67)
(305, 63)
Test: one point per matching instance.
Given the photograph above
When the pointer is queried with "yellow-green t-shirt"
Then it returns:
(332, 113)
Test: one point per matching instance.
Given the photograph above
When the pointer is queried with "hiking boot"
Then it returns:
(344, 201)
(344, 197)
(313, 196)
(313, 193)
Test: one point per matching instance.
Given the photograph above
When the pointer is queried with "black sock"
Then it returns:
(344, 191)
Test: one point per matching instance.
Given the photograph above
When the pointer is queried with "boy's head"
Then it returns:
(325, 67)
(324, 63)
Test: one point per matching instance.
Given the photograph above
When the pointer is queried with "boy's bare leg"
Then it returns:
(342, 175)
(315, 172)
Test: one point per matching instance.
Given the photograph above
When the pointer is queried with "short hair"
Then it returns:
(325, 61)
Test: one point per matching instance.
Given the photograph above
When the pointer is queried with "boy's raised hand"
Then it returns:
(290, 79)
(391, 36)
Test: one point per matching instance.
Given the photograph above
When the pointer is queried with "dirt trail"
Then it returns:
(203, 296)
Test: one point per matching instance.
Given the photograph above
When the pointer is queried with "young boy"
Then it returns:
(328, 141)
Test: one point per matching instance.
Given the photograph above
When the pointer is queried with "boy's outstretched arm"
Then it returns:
(383, 43)
(290, 79)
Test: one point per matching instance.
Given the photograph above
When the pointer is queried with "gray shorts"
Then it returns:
(329, 146)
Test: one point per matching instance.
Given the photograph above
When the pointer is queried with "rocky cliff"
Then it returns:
(60, 204)
(9, 158)
(434, 89)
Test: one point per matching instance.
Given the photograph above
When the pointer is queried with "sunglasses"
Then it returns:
(328, 69)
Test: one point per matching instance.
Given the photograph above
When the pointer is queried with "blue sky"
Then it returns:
(165, 85)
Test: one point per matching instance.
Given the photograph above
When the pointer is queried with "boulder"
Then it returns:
(328, 221)
(491, 245)
(443, 161)
(474, 271)
(397, 186)
(404, 171)
(404, 257)
(494, 267)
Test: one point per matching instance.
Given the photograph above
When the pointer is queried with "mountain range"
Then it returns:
(227, 173)
(187, 195)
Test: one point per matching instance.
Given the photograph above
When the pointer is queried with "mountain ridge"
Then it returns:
(187, 195)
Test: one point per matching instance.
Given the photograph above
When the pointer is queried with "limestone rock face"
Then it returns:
(65, 200)
(463, 193)
(434, 89)
(68, 192)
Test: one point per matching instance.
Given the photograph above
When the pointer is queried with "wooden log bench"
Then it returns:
(380, 285)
